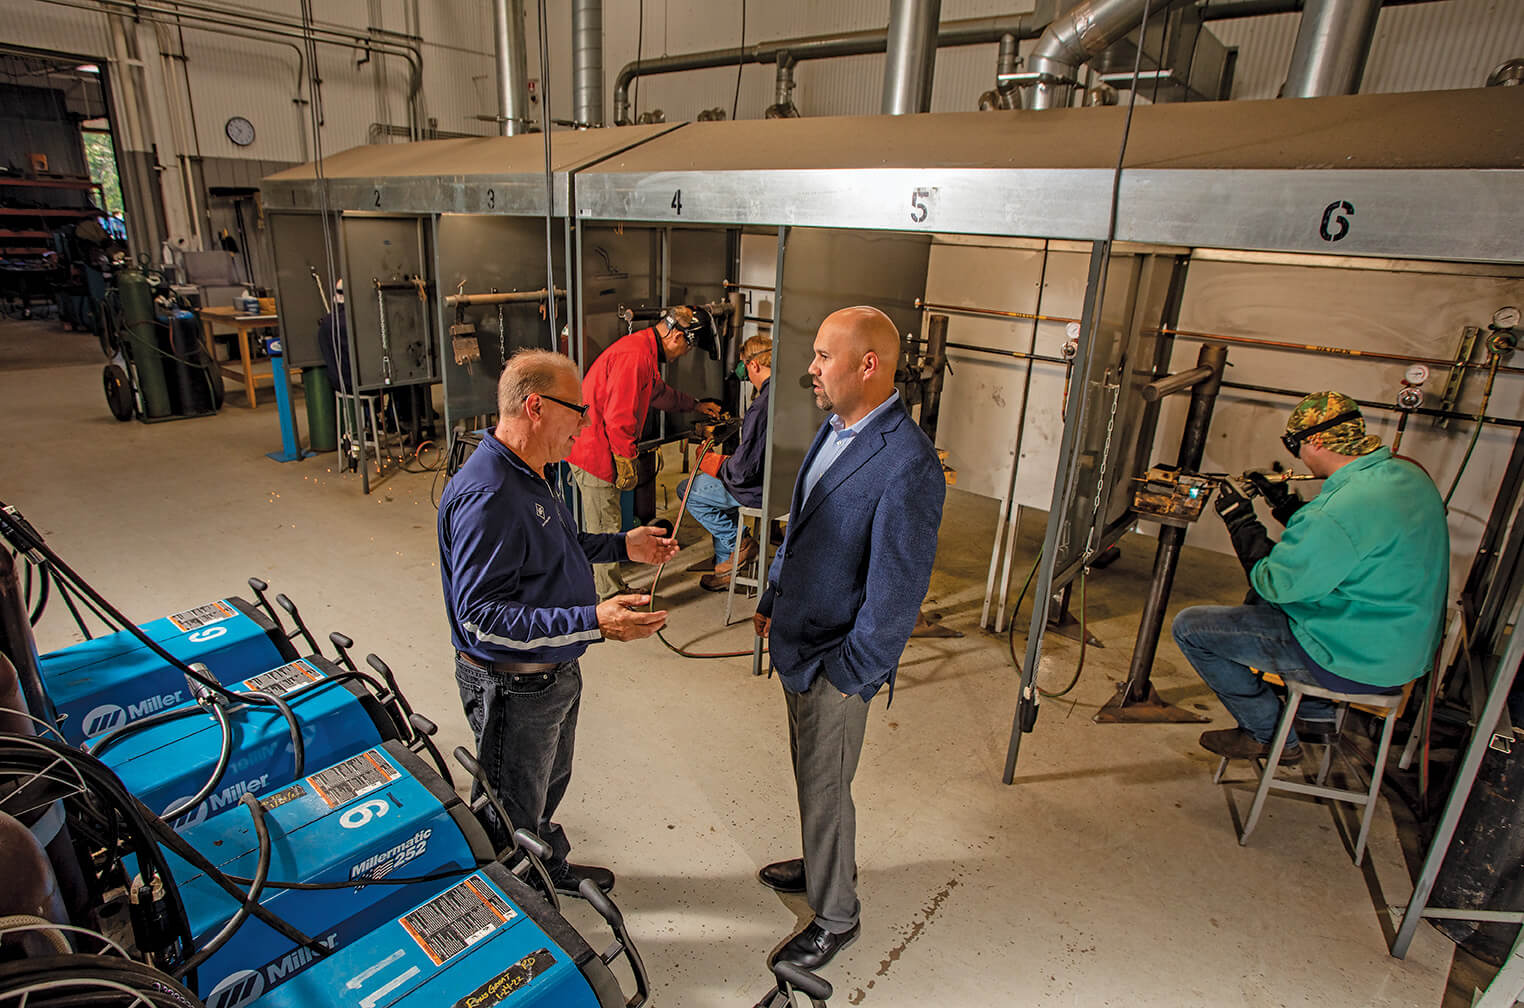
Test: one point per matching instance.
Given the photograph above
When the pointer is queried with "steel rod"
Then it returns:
(1368, 404)
(991, 312)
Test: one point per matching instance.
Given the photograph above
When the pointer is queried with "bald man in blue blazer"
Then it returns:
(841, 600)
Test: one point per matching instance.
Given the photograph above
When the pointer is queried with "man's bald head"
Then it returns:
(868, 329)
(856, 350)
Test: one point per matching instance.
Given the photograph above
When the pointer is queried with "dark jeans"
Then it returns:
(1225, 644)
(526, 728)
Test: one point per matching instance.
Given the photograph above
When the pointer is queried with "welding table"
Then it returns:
(244, 324)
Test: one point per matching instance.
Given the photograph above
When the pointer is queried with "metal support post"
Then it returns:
(1137, 700)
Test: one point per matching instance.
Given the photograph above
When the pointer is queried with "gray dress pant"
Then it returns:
(825, 735)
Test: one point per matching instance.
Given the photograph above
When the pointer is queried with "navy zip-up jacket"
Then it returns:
(742, 472)
(518, 584)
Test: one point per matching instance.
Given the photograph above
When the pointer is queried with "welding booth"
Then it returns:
(443, 248)
(1101, 318)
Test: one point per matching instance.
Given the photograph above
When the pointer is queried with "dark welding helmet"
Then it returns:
(697, 327)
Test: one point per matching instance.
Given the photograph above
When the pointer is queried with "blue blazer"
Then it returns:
(847, 584)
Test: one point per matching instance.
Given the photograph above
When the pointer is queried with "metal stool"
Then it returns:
(1387, 706)
(353, 443)
(753, 580)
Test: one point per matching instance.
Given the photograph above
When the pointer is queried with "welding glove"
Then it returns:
(1250, 541)
(624, 473)
(1283, 500)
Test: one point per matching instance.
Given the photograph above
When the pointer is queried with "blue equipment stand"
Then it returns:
(291, 445)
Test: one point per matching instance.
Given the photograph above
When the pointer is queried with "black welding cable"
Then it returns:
(224, 756)
(98, 745)
(251, 899)
(67, 578)
(443, 873)
(79, 621)
(298, 746)
(44, 588)
(31, 981)
(178, 844)
(37, 753)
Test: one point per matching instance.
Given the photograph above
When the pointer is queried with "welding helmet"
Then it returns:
(697, 327)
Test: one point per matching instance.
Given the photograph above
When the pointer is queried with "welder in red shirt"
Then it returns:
(623, 385)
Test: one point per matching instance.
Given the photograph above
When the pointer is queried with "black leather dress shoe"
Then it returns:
(813, 947)
(570, 876)
(784, 876)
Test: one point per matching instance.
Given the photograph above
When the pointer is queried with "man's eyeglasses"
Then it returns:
(579, 410)
(1293, 439)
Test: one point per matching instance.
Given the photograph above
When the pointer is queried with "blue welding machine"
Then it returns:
(99, 685)
(381, 814)
(477, 942)
(172, 757)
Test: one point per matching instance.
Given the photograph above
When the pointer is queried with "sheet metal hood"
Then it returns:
(1430, 175)
(493, 175)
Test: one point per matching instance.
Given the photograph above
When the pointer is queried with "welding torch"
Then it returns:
(1244, 485)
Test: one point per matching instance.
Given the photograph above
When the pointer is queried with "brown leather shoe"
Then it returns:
(1235, 743)
(716, 582)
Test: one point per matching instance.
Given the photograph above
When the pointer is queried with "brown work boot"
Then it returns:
(1235, 743)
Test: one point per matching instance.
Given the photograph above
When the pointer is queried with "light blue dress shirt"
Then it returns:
(837, 442)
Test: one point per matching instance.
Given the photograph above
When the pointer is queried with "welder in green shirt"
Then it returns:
(1350, 599)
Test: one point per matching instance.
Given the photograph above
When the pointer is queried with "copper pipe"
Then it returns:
(990, 312)
(1327, 350)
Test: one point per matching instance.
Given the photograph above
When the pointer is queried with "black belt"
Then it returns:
(511, 668)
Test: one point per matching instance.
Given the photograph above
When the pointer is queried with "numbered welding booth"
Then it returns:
(1415, 201)
(442, 246)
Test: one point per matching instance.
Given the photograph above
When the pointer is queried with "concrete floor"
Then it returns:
(1108, 875)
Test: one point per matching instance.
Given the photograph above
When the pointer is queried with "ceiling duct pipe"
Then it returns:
(912, 49)
(512, 67)
(1076, 36)
(587, 62)
(970, 31)
(783, 106)
(1004, 96)
(1332, 44)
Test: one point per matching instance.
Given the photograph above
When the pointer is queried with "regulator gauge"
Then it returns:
(1506, 317)
(1416, 375)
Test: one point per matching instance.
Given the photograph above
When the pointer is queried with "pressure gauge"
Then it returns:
(1505, 318)
(1416, 375)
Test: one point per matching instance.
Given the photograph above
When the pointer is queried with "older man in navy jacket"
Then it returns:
(518, 588)
(841, 600)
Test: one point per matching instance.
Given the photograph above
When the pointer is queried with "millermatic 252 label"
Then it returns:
(352, 778)
(279, 681)
(456, 919)
(195, 619)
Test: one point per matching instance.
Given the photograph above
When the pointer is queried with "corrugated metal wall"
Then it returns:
(1446, 44)
(1423, 47)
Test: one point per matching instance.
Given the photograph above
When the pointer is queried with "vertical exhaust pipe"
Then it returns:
(512, 67)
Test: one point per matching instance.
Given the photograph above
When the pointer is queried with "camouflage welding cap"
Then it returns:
(1347, 438)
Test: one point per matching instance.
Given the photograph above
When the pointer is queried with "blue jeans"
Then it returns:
(526, 730)
(1226, 643)
(711, 506)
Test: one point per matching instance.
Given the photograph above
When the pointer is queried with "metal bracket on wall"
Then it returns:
(1457, 374)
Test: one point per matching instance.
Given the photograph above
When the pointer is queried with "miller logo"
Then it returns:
(539, 511)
